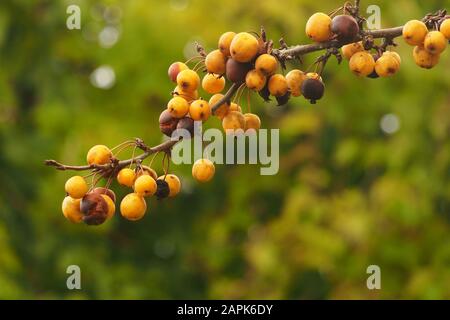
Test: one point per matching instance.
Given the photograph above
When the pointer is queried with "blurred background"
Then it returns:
(364, 174)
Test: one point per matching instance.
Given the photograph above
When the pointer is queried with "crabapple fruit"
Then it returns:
(225, 42)
(145, 186)
(278, 85)
(294, 80)
(133, 207)
(414, 32)
(213, 83)
(234, 120)
(76, 187)
(71, 209)
(111, 206)
(252, 121)
(95, 208)
(344, 27)
(145, 170)
(445, 28)
(126, 177)
(178, 107)
(223, 109)
(199, 110)
(167, 123)
(237, 71)
(215, 62)
(203, 170)
(425, 59)
(318, 27)
(255, 80)
(244, 47)
(174, 69)
(362, 63)
(267, 64)
(350, 49)
(188, 80)
(313, 89)
(435, 42)
(99, 155)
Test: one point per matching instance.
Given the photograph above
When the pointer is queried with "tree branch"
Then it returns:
(283, 53)
(117, 165)
(299, 50)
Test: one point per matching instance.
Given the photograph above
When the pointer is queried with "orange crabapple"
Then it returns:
(199, 110)
(71, 209)
(362, 63)
(145, 186)
(425, 59)
(133, 207)
(126, 177)
(414, 32)
(255, 80)
(213, 83)
(76, 187)
(244, 47)
(203, 170)
(267, 64)
(445, 28)
(294, 80)
(188, 80)
(278, 86)
(435, 42)
(178, 107)
(215, 62)
(318, 27)
(225, 42)
(99, 155)
(234, 120)
(252, 121)
(350, 49)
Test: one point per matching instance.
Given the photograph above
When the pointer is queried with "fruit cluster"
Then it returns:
(428, 44)
(246, 61)
(95, 205)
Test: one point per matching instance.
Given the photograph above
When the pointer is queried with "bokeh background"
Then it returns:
(364, 176)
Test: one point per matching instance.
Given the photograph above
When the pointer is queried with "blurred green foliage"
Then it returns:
(347, 195)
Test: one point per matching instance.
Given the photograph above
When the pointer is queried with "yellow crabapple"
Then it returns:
(71, 209)
(126, 177)
(199, 110)
(145, 186)
(99, 155)
(76, 187)
(133, 207)
(203, 170)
